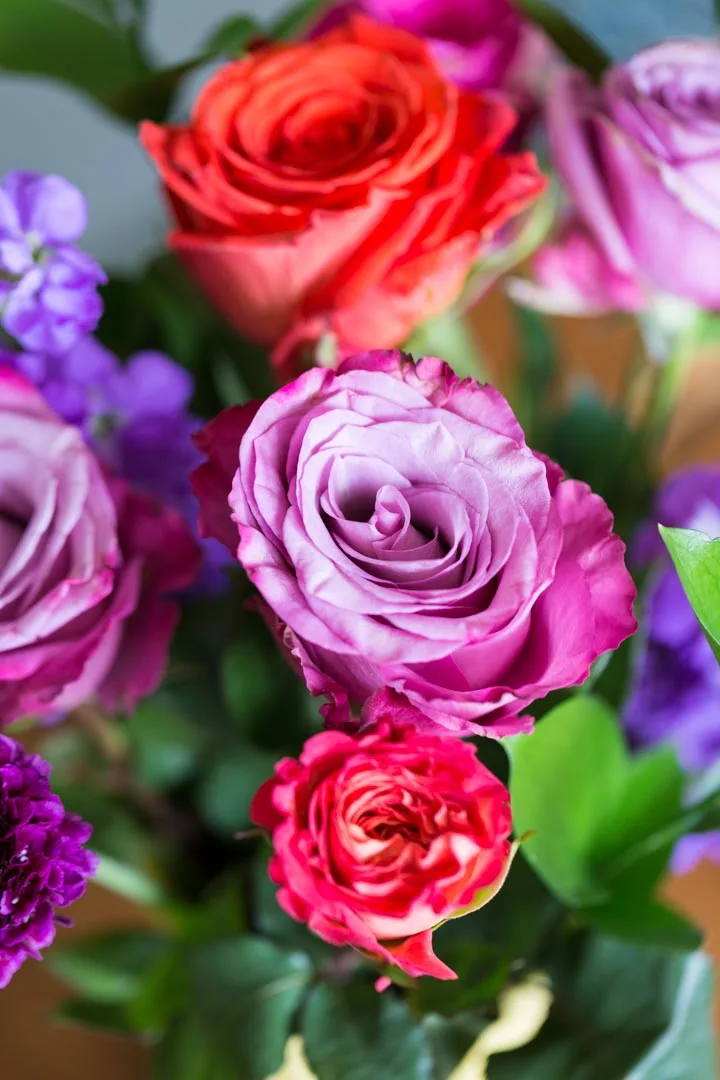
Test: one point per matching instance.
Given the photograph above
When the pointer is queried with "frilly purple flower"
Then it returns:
(48, 287)
(136, 417)
(675, 695)
(43, 862)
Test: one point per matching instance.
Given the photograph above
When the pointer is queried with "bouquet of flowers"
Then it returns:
(325, 624)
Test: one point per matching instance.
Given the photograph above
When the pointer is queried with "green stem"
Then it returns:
(672, 355)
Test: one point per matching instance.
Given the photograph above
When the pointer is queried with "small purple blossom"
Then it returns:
(675, 694)
(135, 416)
(43, 863)
(48, 287)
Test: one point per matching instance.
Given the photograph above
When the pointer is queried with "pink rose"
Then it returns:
(399, 527)
(84, 568)
(381, 838)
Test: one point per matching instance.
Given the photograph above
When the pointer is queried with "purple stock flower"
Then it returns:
(640, 158)
(136, 418)
(43, 864)
(48, 287)
(675, 695)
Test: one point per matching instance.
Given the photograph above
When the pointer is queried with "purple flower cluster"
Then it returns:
(48, 287)
(675, 695)
(43, 863)
(135, 417)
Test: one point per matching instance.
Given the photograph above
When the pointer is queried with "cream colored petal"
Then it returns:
(523, 1011)
(295, 1066)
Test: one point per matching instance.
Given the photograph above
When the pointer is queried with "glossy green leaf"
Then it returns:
(577, 45)
(188, 1052)
(128, 881)
(98, 1016)
(697, 561)
(564, 776)
(450, 1038)
(245, 993)
(228, 785)
(622, 1013)
(108, 969)
(232, 36)
(165, 745)
(352, 1033)
(52, 38)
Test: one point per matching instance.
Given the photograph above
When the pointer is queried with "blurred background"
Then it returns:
(49, 127)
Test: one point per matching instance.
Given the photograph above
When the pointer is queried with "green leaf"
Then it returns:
(297, 18)
(564, 776)
(247, 674)
(165, 745)
(245, 993)
(48, 37)
(697, 561)
(98, 1016)
(128, 881)
(450, 1038)
(108, 969)
(187, 1052)
(536, 371)
(583, 50)
(229, 784)
(352, 1033)
(622, 1013)
(232, 36)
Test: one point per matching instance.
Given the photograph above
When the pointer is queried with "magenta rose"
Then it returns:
(380, 839)
(640, 158)
(405, 536)
(85, 566)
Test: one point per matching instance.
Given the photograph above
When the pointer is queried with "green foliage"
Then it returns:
(245, 992)
(603, 823)
(697, 561)
(108, 969)
(622, 1013)
(577, 45)
(232, 36)
(229, 782)
(450, 1038)
(165, 745)
(351, 1033)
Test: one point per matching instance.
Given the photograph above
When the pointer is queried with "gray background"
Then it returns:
(47, 127)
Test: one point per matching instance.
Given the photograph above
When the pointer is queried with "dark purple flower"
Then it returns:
(43, 864)
(675, 695)
(48, 287)
(136, 418)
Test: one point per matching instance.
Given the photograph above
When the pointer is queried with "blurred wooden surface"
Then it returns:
(31, 1048)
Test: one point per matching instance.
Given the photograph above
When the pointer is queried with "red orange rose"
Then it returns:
(340, 184)
(380, 838)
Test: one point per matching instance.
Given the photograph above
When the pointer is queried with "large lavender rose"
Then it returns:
(85, 568)
(640, 156)
(399, 527)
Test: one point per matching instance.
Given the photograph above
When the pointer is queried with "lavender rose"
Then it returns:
(675, 695)
(640, 157)
(48, 286)
(85, 568)
(43, 862)
(479, 44)
(399, 527)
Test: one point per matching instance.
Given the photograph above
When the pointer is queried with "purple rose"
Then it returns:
(481, 45)
(572, 276)
(640, 157)
(405, 536)
(675, 694)
(86, 566)
(43, 862)
(48, 287)
(136, 417)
